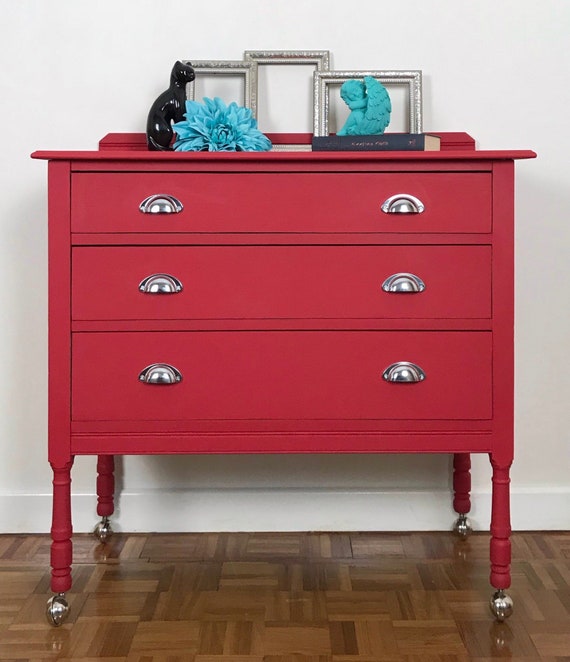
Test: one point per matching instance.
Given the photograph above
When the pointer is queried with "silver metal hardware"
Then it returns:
(402, 203)
(501, 605)
(57, 609)
(404, 372)
(160, 374)
(161, 203)
(160, 284)
(403, 283)
(462, 526)
(103, 530)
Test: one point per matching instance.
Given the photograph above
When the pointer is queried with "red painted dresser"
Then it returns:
(280, 302)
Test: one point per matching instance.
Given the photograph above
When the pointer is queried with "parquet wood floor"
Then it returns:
(298, 597)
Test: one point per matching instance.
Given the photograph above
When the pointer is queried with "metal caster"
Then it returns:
(462, 526)
(57, 610)
(103, 530)
(501, 605)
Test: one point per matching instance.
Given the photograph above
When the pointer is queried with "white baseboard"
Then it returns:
(207, 510)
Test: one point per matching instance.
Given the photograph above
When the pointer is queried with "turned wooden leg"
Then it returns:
(61, 546)
(105, 485)
(105, 495)
(500, 551)
(462, 492)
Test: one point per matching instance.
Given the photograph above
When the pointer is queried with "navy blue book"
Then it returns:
(386, 141)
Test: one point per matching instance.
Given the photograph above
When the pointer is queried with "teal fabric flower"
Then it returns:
(215, 127)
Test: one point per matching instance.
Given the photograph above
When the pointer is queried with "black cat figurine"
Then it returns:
(169, 107)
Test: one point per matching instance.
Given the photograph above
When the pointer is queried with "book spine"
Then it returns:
(408, 142)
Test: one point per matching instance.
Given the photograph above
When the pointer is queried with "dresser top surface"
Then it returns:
(132, 147)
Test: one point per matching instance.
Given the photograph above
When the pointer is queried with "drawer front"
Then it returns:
(281, 202)
(255, 282)
(293, 375)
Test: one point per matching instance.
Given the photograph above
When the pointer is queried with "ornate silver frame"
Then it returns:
(320, 59)
(246, 69)
(323, 79)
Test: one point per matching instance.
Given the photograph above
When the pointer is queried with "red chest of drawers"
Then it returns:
(280, 302)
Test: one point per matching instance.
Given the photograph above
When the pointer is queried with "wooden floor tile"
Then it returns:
(551, 638)
(438, 637)
(296, 638)
(491, 639)
(167, 638)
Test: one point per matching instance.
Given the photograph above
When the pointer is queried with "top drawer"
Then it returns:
(283, 202)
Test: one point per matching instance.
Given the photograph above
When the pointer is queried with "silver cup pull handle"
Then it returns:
(404, 372)
(403, 283)
(160, 284)
(402, 203)
(161, 374)
(161, 203)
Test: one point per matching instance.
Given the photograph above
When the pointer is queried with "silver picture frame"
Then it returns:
(290, 147)
(245, 69)
(321, 60)
(322, 80)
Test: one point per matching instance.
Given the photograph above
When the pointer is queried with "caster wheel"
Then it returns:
(501, 605)
(103, 530)
(57, 610)
(462, 526)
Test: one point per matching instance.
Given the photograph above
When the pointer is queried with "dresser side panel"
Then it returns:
(59, 361)
(503, 309)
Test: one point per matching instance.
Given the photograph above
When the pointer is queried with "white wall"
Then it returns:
(72, 71)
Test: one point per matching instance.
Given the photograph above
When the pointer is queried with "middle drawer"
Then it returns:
(272, 282)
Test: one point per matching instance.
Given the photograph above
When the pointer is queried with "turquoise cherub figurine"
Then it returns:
(370, 107)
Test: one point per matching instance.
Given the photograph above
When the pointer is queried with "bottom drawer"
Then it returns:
(281, 375)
